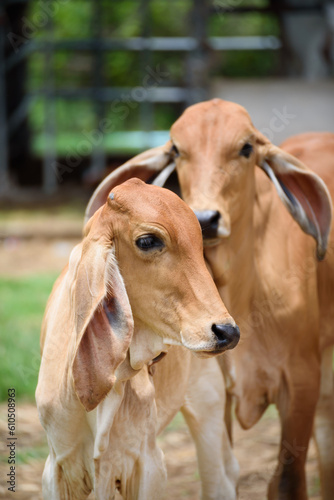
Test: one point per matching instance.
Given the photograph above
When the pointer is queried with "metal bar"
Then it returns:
(221, 9)
(196, 62)
(123, 94)
(49, 164)
(4, 175)
(19, 114)
(98, 155)
(245, 43)
(136, 44)
(146, 106)
(21, 53)
(170, 44)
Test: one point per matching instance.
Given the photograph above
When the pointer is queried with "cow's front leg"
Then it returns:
(296, 403)
(323, 431)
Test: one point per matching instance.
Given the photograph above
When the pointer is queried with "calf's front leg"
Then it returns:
(204, 413)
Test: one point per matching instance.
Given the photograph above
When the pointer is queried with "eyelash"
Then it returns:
(149, 242)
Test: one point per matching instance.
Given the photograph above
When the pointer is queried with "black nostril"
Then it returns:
(227, 335)
(209, 220)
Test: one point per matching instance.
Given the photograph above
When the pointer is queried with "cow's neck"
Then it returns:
(240, 275)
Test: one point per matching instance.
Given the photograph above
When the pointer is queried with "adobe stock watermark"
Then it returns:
(120, 109)
(288, 454)
(228, 5)
(39, 20)
(278, 122)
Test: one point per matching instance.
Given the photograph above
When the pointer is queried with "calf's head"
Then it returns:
(141, 263)
(214, 149)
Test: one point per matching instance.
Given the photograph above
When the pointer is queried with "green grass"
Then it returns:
(176, 424)
(22, 303)
(27, 455)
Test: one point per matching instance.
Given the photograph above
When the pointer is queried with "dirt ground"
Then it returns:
(256, 449)
(36, 243)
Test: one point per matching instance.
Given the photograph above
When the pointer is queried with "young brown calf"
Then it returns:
(136, 287)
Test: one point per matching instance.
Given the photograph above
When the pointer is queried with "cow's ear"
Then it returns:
(303, 192)
(144, 166)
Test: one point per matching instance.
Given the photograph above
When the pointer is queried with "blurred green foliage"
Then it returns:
(76, 20)
(22, 304)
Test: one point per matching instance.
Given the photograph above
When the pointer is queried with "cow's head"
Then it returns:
(215, 149)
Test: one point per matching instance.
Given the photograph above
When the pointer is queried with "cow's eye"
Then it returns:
(246, 150)
(174, 151)
(149, 242)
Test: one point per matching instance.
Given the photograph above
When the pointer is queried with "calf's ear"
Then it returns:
(102, 316)
(303, 192)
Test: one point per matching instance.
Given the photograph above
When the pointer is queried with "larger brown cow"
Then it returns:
(264, 266)
(317, 151)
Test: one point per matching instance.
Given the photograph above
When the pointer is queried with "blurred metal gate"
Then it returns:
(194, 48)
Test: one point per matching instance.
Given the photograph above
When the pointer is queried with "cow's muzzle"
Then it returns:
(209, 222)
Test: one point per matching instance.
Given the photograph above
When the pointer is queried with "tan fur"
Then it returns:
(266, 272)
(265, 266)
(317, 151)
(113, 310)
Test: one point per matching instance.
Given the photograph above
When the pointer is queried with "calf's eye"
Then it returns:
(246, 150)
(149, 242)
